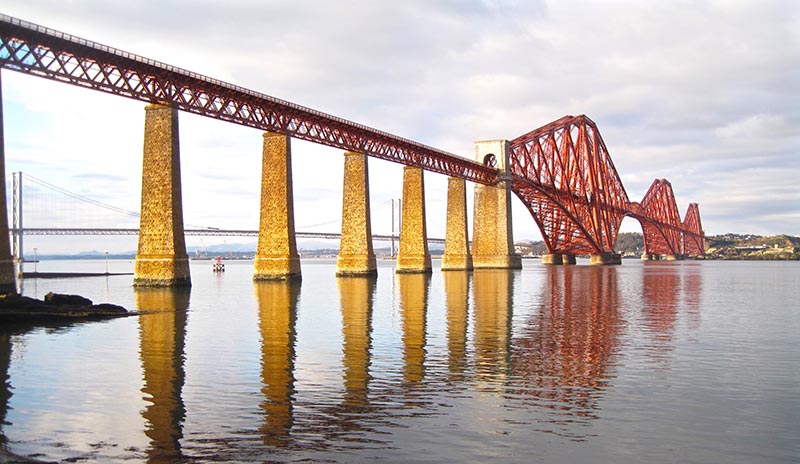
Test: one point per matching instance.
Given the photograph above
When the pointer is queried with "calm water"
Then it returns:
(644, 362)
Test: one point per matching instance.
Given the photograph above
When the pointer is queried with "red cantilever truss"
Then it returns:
(562, 171)
(660, 220)
(693, 235)
(564, 175)
(40, 51)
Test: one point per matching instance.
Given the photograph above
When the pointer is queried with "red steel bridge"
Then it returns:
(562, 171)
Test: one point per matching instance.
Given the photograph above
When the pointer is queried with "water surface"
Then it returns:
(644, 362)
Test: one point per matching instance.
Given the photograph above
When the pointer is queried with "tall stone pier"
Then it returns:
(161, 259)
(7, 282)
(276, 257)
(356, 256)
(456, 249)
(413, 256)
(492, 240)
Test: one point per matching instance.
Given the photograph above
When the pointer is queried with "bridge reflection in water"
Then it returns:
(562, 357)
(277, 316)
(162, 331)
(542, 345)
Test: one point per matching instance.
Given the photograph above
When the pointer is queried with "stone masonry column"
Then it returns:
(492, 240)
(7, 282)
(456, 249)
(413, 256)
(161, 259)
(276, 257)
(356, 256)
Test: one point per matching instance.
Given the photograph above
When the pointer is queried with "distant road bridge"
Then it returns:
(209, 232)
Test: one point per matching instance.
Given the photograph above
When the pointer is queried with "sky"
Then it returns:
(703, 93)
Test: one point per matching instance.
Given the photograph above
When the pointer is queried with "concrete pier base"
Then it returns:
(7, 278)
(276, 256)
(609, 258)
(356, 255)
(161, 259)
(492, 240)
(650, 257)
(551, 259)
(456, 249)
(671, 257)
(413, 257)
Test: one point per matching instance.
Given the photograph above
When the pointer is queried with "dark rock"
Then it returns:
(71, 300)
(109, 308)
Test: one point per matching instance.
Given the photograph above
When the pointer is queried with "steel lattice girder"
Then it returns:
(661, 223)
(43, 52)
(581, 200)
(693, 235)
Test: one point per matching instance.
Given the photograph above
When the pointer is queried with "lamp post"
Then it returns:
(35, 260)
(106, 262)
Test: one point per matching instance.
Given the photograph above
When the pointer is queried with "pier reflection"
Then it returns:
(356, 294)
(492, 291)
(562, 357)
(456, 288)
(5, 388)
(277, 315)
(162, 331)
(661, 293)
(413, 308)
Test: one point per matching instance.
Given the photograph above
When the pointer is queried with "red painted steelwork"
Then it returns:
(564, 175)
(660, 220)
(693, 235)
(43, 52)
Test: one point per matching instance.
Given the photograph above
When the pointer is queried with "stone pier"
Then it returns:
(456, 249)
(276, 257)
(551, 259)
(650, 257)
(161, 259)
(356, 256)
(7, 282)
(609, 258)
(492, 240)
(413, 256)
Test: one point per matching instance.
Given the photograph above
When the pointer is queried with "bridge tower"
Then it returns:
(413, 256)
(356, 255)
(276, 258)
(161, 259)
(456, 249)
(7, 282)
(492, 240)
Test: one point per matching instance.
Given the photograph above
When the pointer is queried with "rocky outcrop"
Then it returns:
(56, 306)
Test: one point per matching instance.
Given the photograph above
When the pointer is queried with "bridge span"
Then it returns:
(562, 172)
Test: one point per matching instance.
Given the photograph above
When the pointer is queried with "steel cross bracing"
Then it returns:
(47, 53)
(563, 173)
(661, 222)
(693, 235)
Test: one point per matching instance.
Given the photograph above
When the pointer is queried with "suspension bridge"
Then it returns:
(36, 203)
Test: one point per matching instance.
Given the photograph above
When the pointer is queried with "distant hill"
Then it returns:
(753, 247)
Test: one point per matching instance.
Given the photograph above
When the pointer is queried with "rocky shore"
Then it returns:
(56, 307)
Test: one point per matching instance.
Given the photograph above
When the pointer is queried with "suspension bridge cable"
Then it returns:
(80, 197)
